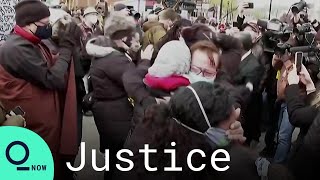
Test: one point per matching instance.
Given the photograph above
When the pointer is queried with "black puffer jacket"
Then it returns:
(112, 110)
(137, 90)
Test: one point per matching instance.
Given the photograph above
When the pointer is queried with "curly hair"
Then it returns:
(184, 106)
(216, 101)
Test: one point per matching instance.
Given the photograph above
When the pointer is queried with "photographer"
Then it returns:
(306, 154)
(296, 112)
(241, 17)
(299, 86)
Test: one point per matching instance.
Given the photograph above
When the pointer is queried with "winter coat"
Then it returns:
(78, 68)
(44, 87)
(305, 152)
(153, 35)
(148, 25)
(300, 114)
(137, 90)
(304, 164)
(250, 70)
(112, 109)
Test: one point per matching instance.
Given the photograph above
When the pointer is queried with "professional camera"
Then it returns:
(281, 49)
(272, 25)
(297, 7)
(303, 29)
(276, 32)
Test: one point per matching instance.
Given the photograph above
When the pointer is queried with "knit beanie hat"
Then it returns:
(118, 26)
(173, 59)
(30, 11)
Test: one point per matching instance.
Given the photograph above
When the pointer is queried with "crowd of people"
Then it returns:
(161, 80)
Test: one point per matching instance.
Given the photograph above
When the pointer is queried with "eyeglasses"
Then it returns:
(205, 73)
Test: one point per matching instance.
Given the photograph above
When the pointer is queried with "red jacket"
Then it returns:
(30, 78)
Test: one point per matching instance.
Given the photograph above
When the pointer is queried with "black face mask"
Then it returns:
(128, 41)
(43, 32)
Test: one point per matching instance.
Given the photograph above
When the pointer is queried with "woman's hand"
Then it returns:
(242, 8)
(305, 78)
(16, 120)
(277, 62)
(293, 77)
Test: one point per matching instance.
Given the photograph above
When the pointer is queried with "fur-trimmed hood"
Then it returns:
(99, 47)
(118, 26)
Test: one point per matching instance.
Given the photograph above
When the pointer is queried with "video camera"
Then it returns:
(298, 7)
(303, 29)
(275, 32)
(272, 25)
(305, 43)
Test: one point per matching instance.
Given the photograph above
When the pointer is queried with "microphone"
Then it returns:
(301, 49)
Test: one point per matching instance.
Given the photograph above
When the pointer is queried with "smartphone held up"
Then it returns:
(298, 61)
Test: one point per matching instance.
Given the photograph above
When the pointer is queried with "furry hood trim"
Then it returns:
(99, 47)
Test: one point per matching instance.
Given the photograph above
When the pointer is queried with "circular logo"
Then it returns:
(24, 155)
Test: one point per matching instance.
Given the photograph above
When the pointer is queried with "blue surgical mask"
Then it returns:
(193, 78)
(216, 136)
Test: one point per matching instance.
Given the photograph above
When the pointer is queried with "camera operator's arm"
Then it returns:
(300, 115)
(240, 21)
(241, 17)
(296, 19)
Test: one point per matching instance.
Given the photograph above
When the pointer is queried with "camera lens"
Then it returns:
(295, 10)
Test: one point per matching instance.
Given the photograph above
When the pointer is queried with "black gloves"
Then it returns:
(70, 37)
